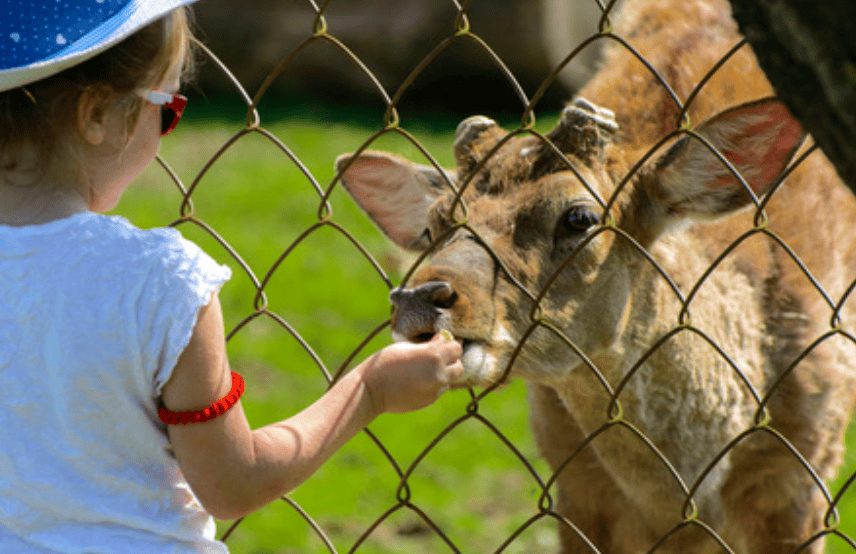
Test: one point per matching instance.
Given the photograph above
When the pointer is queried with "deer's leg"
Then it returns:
(772, 505)
(586, 494)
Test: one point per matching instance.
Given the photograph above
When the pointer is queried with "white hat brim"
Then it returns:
(130, 19)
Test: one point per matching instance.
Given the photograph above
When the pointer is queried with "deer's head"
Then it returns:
(535, 240)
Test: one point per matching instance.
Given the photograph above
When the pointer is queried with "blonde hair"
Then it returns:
(43, 116)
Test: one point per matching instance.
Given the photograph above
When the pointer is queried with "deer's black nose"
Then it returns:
(417, 312)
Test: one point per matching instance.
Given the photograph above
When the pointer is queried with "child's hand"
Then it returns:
(404, 376)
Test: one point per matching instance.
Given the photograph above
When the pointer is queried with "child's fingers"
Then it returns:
(447, 346)
(450, 352)
(404, 376)
(455, 371)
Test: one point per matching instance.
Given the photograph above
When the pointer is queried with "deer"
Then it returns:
(668, 269)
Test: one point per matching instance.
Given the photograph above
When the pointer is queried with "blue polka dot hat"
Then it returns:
(39, 38)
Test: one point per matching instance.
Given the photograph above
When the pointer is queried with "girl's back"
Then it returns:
(92, 464)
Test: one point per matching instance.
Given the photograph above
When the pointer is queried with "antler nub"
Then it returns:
(584, 129)
(468, 130)
(604, 118)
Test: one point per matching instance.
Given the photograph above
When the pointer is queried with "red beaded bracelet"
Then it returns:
(201, 416)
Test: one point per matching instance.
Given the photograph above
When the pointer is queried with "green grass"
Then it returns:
(470, 485)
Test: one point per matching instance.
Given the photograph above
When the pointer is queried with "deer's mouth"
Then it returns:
(477, 357)
(478, 361)
(473, 354)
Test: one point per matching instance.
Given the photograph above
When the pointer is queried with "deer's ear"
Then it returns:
(690, 181)
(395, 193)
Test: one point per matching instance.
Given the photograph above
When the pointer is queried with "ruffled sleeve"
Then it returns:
(180, 283)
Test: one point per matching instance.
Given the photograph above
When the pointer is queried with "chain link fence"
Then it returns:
(542, 507)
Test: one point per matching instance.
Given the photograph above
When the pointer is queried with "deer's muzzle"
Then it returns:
(419, 313)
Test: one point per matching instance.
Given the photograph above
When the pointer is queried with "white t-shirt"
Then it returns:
(94, 314)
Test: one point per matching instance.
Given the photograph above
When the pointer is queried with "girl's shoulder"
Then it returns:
(105, 241)
(87, 227)
(117, 229)
(115, 236)
(162, 247)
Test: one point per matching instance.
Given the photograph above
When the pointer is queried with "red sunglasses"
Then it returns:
(172, 106)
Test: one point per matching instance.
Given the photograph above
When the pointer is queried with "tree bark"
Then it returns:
(807, 48)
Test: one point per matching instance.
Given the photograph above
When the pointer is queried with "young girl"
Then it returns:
(120, 425)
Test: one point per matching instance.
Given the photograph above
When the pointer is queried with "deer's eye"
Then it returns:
(571, 228)
(576, 221)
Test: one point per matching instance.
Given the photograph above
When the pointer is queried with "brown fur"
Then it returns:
(607, 318)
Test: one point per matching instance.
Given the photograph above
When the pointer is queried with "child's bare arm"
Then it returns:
(234, 470)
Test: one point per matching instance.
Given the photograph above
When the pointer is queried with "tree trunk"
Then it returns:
(807, 48)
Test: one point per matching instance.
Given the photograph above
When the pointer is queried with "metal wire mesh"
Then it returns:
(460, 29)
